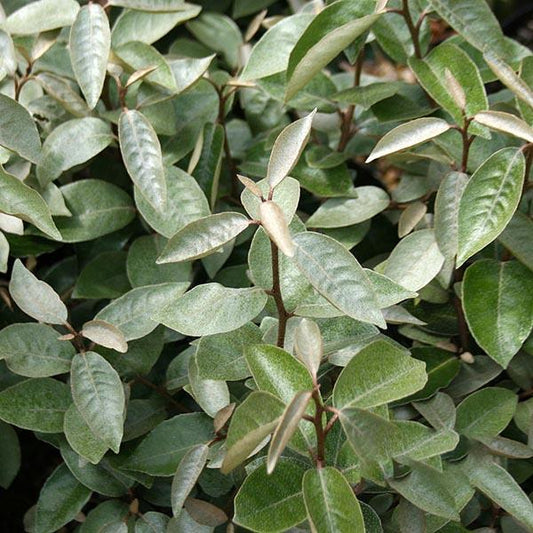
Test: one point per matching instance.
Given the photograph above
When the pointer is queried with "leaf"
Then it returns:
(388, 292)
(97, 208)
(331, 31)
(288, 148)
(286, 427)
(408, 135)
(132, 313)
(330, 502)
(34, 350)
(9, 455)
(26, 203)
(160, 453)
(342, 212)
(415, 261)
(60, 500)
(99, 396)
(18, 131)
(186, 475)
(343, 283)
(506, 123)
(203, 236)
(221, 356)
(498, 315)
(517, 237)
(275, 224)
(188, 70)
(253, 420)
(41, 16)
(142, 156)
(270, 55)
(439, 411)
(368, 95)
(186, 203)
(36, 298)
(486, 413)
(378, 374)
(11, 224)
(106, 515)
(72, 143)
(80, 437)
(410, 217)
(105, 334)
(37, 404)
(308, 345)
(211, 308)
(274, 499)
(150, 5)
(89, 45)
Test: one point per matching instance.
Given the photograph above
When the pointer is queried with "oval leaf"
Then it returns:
(105, 334)
(273, 220)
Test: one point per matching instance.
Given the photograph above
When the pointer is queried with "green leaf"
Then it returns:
(106, 515)
(34, 350)
(269, 503)
(241, 8)
(349, 289)
(408, 135)
(489, 201)
(221, 356)
(368, 95)
(186, 475)
(61, 499)
(211, 308)
(270, 55)
(72, 143)
(486, 413)
(132, 313)
(99, 396)
(89, 45)
(188, 70)
(186, 203)
(498, 315)
(38, 404)
(36, 298)
(143, 415)
(288, 148)
(81, 438)
(274, 222)
(150, 5)
(26, 203)
(142, 156)
(308, 345)
(97, 208)
(41, 16)
(286, 427)
(506, 123)
(18, 131)
(203, 236)
(342, 212)
(105, 334)
(517, 238)
(387, 291)
(160, 453)
(9, 455)
(378, 374)
(332, 30)
(330, 502)
(439, 411)
(253, 420)
(415, 261)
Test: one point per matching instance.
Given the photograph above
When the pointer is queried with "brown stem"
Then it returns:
(320, 431)
(467, 142)
(414, 30)
(162, 392)
(283, 315)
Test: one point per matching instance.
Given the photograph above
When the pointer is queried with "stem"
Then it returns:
(467, 142)
(283, 315)
(529, 163)
(320, 431)
(162, 392)
(414, 30)
(464, 336)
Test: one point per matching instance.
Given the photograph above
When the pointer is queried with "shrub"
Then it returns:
(217, 314)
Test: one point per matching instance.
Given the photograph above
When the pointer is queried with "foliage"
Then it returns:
(267, 265)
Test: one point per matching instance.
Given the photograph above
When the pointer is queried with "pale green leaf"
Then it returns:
(308, 345)
(89, 45)
(274, 222)
(11, 224)
(150, 5)
(188, 70)
(410, 217)
(506, 123)
(105, 334)
(99, 396)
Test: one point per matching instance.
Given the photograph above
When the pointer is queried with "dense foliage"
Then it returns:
(267, 266)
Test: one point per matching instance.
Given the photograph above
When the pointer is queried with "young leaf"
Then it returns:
(37, 404)
(308, 345)
(273, 220)
(489, 201)
(274, 499)
(332, 30)
(18, 199)
(379, 374)
(105, 334)
(36, 298)
(186, 475)
(498, 315)
(349, 289)
(142, 156)
(330, 502)
(408, 135)
(288, 148)
(99, 396)
(507, 123)
(286, 428)
(89, 45)
(203, 236)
